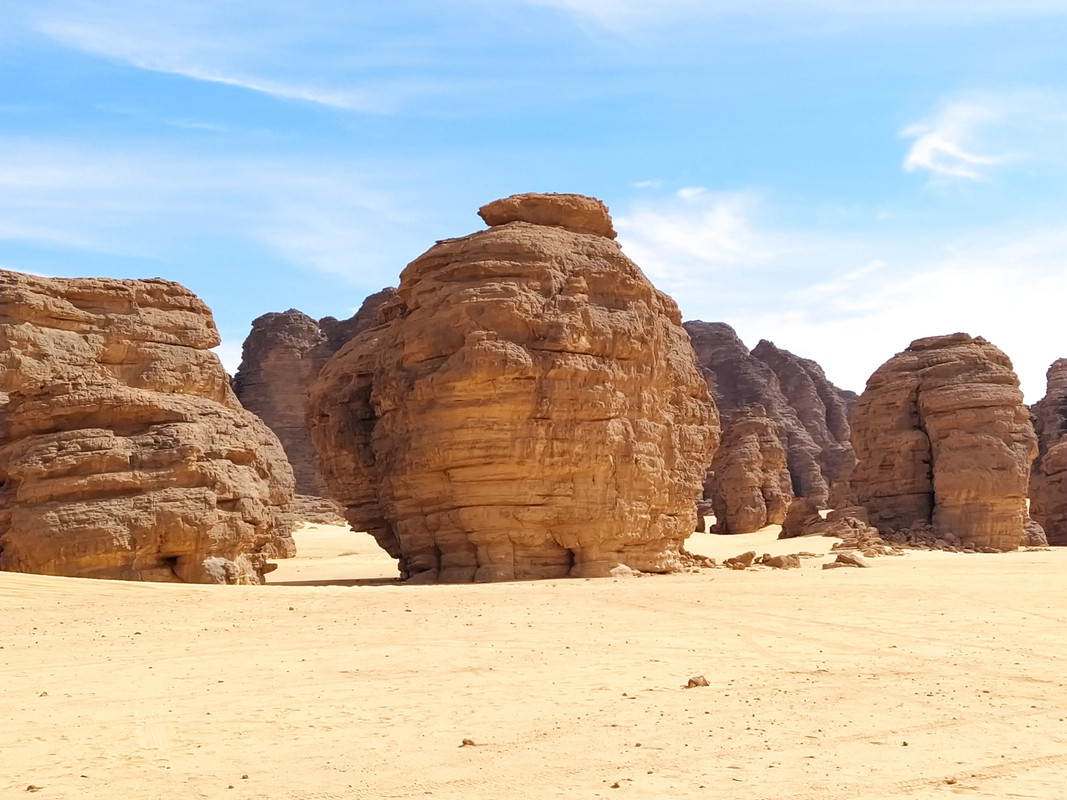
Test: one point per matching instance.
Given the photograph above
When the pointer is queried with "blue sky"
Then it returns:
(838, 177)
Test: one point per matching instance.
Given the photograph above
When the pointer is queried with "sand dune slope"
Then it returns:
(928, 676)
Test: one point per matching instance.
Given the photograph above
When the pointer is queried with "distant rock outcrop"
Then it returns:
(281, 357)
(736, 379)
(749, 481)
(821, 407)
(527, 406)
(1048, 480)
(943, 438)
(123, 451)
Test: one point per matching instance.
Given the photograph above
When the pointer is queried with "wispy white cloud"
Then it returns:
(696, 229)
(851, 301)
(946, 144)
(975, 135)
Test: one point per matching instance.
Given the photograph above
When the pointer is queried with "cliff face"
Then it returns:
(123, 451)
(1048, 479)
(737, 379)
(821, 407)
(281, 357)
(942, 438)
(527, 406)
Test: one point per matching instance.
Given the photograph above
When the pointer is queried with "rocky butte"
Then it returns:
(1048, 481)
(749, 483)
(528, 406)
(123, 451)
(738, 379)
(280, 358)
(942, 438)
(822, 408)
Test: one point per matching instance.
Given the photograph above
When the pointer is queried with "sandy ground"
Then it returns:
(927, 676)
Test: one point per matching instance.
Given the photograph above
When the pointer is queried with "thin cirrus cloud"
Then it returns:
(852, 301)
(630, 15)
(319, 214)
(178, 51)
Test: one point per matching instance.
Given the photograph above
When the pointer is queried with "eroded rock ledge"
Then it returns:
(123, 451)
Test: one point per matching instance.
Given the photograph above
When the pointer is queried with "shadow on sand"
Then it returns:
(342, 582)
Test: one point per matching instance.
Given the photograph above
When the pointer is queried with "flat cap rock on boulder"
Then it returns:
(528, 406)
(573, 212)
(123, 451)
(942, 437)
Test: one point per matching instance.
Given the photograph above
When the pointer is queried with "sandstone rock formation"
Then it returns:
(1033, 534)
(802, 519)
(749, 482)
(736, 379)
(821, 407)
(1048, 481)
(527, 406)
(943, 438)
(281, 357)
(123, 451)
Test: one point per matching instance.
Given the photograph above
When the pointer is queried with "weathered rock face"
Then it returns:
(942, 437)
(123, 451)
(279, 360)
(749, 481)
(736, 379)
(527, 406)
(281, 357)
(821, 407)
(1048, 481)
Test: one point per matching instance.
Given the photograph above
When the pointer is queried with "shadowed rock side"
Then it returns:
(942, 438)
(821, 407)
(1048, 480)
(278, 362)
(736, 378)
(527, 406)
(281, 357)
(749, 483)
(123, 451)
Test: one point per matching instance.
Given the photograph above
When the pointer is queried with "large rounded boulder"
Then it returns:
(943, 439)
(527, 406)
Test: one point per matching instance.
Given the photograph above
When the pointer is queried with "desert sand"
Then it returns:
(931, 675)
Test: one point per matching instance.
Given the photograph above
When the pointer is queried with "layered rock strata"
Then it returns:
(737, 379)
(280, 358)
(1048, 480)
(942, 438)
(527, 406)
(749, 482)
(821, 407)
(123, 451)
